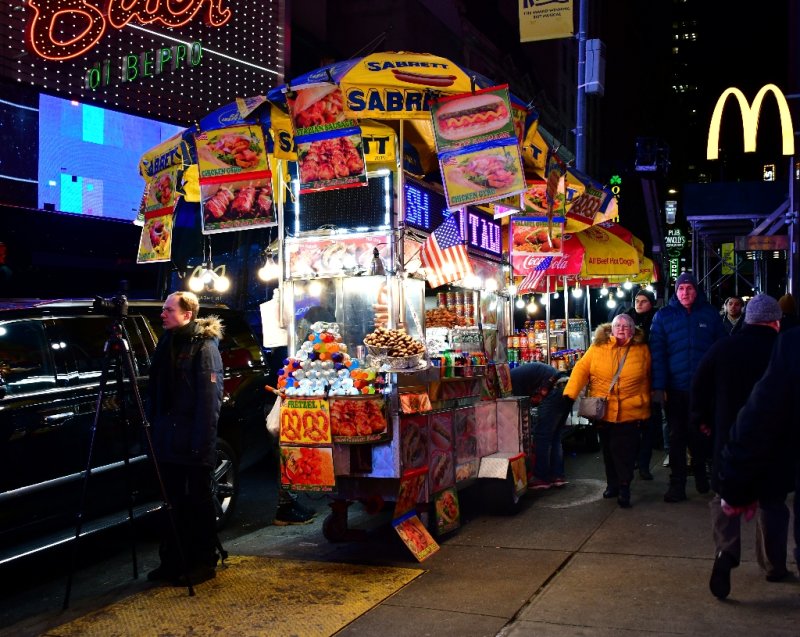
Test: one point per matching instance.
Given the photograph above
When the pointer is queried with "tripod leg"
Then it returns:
(127, 460)
(87, 474)
(131, 371)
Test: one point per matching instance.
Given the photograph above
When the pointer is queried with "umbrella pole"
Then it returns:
(588, 309)
(566, 305)
(547, 323)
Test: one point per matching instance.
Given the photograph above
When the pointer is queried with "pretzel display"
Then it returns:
(315, 426)
(290, 425)
(399, 343)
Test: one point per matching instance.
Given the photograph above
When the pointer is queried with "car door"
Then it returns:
(37, 414)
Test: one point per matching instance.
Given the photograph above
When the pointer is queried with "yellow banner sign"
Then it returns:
(545, 20)
(305, 421)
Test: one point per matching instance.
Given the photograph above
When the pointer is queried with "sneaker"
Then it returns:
(720, 582)
(624, 497)
(293, 514)
(675, 493)
(665, 462)
(777, 577)
(539, 485)
(559, 482)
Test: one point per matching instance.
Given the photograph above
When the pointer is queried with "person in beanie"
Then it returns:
(681, 333)
(720, 387)
(185, 399)
(642, 313)
(732, 314)
(789, 310)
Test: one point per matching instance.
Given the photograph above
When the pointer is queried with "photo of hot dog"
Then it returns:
(441, 436)
(423, 79)
(472, 116)
(441, 471)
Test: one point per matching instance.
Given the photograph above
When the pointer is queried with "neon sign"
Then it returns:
(146, 64)
(84, 24)
(750, 117)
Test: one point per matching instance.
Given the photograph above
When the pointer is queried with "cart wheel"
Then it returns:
(501, 495)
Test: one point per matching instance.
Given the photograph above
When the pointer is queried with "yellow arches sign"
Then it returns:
(750, 115)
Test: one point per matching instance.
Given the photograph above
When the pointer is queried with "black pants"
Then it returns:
(189, 491)
(620, 444)
(681, 439)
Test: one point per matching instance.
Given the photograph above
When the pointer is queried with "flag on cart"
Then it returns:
(444, 254)
(531, 281)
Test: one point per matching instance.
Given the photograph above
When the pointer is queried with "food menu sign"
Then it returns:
(306, 445)
(464, 120)
(478, 147)
(534, 237)
(330, 149)
(162, 168)
(235, 179)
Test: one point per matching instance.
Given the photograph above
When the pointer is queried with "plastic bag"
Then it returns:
(274, 419)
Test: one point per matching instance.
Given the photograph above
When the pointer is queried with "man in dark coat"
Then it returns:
(642, 313)
(720, 386)
(766, 435)
(544, 385)
(186, 396)
(732, 314)
(681, 333)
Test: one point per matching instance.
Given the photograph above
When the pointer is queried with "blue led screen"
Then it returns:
(89, 157)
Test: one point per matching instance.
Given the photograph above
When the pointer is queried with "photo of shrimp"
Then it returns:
(331, 161)
(230, 151)
(237, 204)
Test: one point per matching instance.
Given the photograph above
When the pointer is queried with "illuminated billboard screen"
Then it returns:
(171, 61)
(89, 157)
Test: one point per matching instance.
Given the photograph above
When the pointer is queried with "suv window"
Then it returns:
(25, 364)
(83, 340)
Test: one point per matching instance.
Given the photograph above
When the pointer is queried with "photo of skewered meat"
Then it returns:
(218, 204)
(239, 201)
(329, 159)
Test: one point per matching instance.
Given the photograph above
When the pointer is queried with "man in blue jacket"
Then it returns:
(681, 333)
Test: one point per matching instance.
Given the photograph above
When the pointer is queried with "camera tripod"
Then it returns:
(117, 350)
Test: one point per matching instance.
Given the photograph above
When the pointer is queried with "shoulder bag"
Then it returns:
(595, 407)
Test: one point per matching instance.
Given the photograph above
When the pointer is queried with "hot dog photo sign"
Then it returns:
(463, 120)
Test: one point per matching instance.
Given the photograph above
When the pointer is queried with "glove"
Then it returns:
(658, 396)
(748, 510)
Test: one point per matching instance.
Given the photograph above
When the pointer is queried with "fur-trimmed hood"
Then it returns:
(209, 327)
(602, 335)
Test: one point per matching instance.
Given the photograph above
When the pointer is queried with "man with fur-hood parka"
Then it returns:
(185, 399)
(628, 401)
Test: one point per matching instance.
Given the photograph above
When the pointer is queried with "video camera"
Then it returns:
(116, 306)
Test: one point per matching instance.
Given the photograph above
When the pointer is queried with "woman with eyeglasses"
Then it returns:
(618, 356)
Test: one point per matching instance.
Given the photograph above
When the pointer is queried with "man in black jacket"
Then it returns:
(185, 387)
(720, 386)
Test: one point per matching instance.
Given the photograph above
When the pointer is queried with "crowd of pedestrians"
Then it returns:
(725, 381)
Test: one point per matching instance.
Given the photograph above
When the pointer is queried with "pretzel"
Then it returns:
(314, 426)
(290, 427)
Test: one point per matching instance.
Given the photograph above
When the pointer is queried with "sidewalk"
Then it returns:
(568, 564)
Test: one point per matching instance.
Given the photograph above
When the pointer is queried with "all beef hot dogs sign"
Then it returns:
(89, 49)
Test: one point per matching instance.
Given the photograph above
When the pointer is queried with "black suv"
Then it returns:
(51, 361)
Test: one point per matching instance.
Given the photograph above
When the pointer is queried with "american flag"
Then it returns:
(531, 281)
(444, 254)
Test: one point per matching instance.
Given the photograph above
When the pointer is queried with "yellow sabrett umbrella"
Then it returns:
(390, 85)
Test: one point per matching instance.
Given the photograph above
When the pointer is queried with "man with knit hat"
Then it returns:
(720, 387)
(681, 333)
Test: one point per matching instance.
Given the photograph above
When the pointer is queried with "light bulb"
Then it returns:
(648, 287)
(222, 283)
(544, 300)
(604, 291)
(512, 289)
(627, 285)
(620, 293)
(611, 302)
(196, 284)
(520, 303)
(491, 285)
(207, 276)
(556, 295)
(577, 292)
(315, 288)
(532, 307)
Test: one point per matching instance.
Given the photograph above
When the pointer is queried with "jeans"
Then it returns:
(548, 430)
